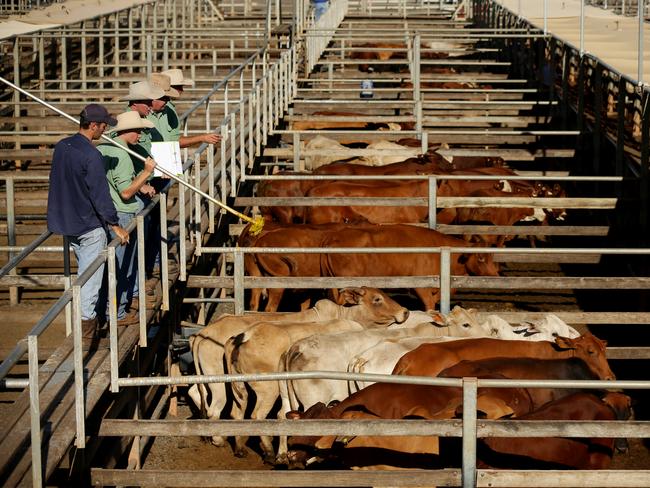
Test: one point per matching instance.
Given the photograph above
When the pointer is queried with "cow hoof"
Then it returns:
(241, 453)
(282, 459)
(218, 441)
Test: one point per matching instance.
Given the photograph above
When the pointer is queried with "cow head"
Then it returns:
(621, 404)
(302, 448)
(591, 350)
(479, 264)
(465, 319)
(371, 307)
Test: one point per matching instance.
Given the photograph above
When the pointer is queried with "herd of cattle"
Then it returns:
(368, 332)
(363, 330)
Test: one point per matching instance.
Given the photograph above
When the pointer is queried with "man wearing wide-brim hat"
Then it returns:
(165, 116)
(125, 181)
(140, 99)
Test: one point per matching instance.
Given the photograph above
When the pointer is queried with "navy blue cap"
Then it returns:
(97, 113)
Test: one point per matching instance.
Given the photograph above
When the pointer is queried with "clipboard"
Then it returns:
(168, 156)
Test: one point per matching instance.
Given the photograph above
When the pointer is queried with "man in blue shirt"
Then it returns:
(79, 205)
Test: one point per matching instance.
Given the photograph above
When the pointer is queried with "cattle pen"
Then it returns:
(555, 92)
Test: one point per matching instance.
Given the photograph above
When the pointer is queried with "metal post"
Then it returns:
(545, 17)
(445, 280)
(182, 230)
(164, 265)
(197, 204)
(64, 59)
(640, 42)
(68, 284)
(242, 140)
(296, 151)
(100, 38)
(35, 411)
(222, 147)
(233, 157)
(469, 432)
(149, 55)
(11, 232)
(433, 201)
(142, 296)
(112, 317)
(582, 27)
(238, 282)
(79, 403)
(84, 73)
(166, 52)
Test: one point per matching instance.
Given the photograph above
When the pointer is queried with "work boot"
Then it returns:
(89, 328)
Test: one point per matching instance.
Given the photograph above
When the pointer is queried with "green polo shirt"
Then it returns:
(120, 173)
(167, 125)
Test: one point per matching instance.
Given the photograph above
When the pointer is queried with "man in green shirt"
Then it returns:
(166, 119)
(125, 182)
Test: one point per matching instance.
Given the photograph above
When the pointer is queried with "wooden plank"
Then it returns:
(549, 478)
(556, 283)
(294, 478)
(34, 281)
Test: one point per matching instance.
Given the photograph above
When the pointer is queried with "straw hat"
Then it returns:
(131, 120)
(143, 90)
(176, 77)
(163, 82)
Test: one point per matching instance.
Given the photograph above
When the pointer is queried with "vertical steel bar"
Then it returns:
(233, 157)
(197, 204)
(11, 232)
(149, 55)
(64, 58)
(296, 151)
(142, 296)
(83, 73)
(166, 52)
(182, 230)
(164, 263)
(41, 68)
(100, 37)
(469, 432)
(35, 411)
(582, 27)
(640, 42)
(224, 169)
(238, 282)
(545, 17)
(112, 317)
(80, 416)
(445, 280)
(211, 212)
(433, 201)
(242, 140)
(68, 283)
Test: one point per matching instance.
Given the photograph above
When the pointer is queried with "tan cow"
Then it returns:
(367, 306)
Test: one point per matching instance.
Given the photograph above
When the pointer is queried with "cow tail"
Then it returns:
(195, 341)
(289, 359)
(231, 353)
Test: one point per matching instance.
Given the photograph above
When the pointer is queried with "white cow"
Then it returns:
(259, 350)
(368, 306)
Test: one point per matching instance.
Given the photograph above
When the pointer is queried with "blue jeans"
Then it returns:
(126, 266)
(87, 248)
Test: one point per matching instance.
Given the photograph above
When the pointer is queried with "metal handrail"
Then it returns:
(16, 260)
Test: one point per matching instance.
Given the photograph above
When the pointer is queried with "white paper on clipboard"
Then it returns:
(168, 156)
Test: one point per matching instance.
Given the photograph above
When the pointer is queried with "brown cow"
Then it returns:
(401, 401)
(577, 453)
(431, 359)
(529, 369)
(360, 235)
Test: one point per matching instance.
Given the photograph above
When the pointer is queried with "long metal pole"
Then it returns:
(582, 27)
(545, 17)
(640, 54)
(257, 222)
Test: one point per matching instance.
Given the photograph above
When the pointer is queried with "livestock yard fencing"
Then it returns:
(252, 99)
